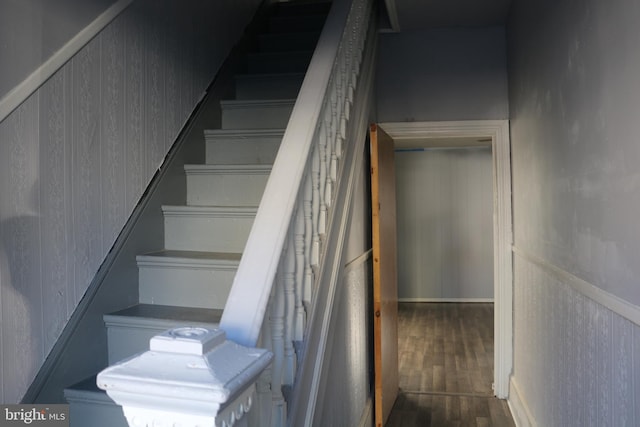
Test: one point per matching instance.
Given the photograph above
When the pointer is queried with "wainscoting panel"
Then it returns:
(346, 389)
(577, 363)
(77, 155)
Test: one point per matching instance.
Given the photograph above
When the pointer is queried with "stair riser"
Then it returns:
(206, 233)
(302, 9)
(288, 42)
(124, 341)
(273, 116)
(225, 189)
(268, 87)
(278, 63)
(83, 413)
(238, 151)
(292, 24)
(185, 286)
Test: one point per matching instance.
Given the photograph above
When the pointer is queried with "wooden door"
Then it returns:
(385, 287)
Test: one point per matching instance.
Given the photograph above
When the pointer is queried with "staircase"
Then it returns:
(188, 282)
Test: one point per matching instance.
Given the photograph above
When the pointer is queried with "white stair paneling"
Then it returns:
(260, 114)
(268, 86)
(129, 330)
(226, 185)
(278, 62)
(256, 146)
(207, 228)
(186, 278)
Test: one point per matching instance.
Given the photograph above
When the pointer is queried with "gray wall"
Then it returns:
(77, 155)
(445, 224)
(31, 31)
(442, 74)
(346, 390)
(575, 104)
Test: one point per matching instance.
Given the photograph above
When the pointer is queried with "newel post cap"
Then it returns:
(190, 376)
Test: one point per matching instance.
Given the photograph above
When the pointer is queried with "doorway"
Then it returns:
(496, 133)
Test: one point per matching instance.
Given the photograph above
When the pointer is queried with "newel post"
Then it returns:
(190, 377)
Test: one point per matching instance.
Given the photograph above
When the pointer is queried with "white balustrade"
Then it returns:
(277, 280)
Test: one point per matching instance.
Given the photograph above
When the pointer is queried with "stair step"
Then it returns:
(207, 228)
(186, 278)
(260, 114)
(268, 86)
(129, 330)
(296, 23)
(226, 185)
(286, 42)
(279, 62)
(257, 146)
(90, 406)
(302, 8)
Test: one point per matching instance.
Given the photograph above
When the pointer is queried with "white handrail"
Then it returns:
(247, 302)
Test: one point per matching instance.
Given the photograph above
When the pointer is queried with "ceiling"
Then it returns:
(411, 15)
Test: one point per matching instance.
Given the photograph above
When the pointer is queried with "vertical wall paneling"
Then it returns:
(22, 304)
(86, 126)
(112, 152)
(77, 155)
(53, 194)
(445, 224)
(154, 91)
(134, 132)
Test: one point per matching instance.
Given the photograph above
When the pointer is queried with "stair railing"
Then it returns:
(295, 243)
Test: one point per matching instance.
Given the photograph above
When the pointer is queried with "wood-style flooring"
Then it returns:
(446, 367)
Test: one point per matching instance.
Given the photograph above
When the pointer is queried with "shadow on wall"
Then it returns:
(20, 304)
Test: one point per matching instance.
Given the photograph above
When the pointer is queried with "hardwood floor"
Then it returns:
(446, 367)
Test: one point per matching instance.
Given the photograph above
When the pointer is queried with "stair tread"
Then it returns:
(228, 168)
(242, 133)
(285, 54)
(209, 209)
(239, 103)
(88, 385)
(168, 312)
(191, 255)
(260, 76)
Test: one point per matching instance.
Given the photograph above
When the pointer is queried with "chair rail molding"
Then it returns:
(498, 133)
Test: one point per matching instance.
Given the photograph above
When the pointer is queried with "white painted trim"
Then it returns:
(616, 304)
(519, 409)
(498, 131)
(392, 13)
(22, 91)
(485, 300)
(359, 260)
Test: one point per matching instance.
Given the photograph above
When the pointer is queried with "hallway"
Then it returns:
(446, 367)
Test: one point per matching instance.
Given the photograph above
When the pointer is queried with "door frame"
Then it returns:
(498, 131)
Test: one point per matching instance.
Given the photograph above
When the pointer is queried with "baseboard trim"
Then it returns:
(619, 306)
(519, 409)
(485, 300)
(23, 90)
